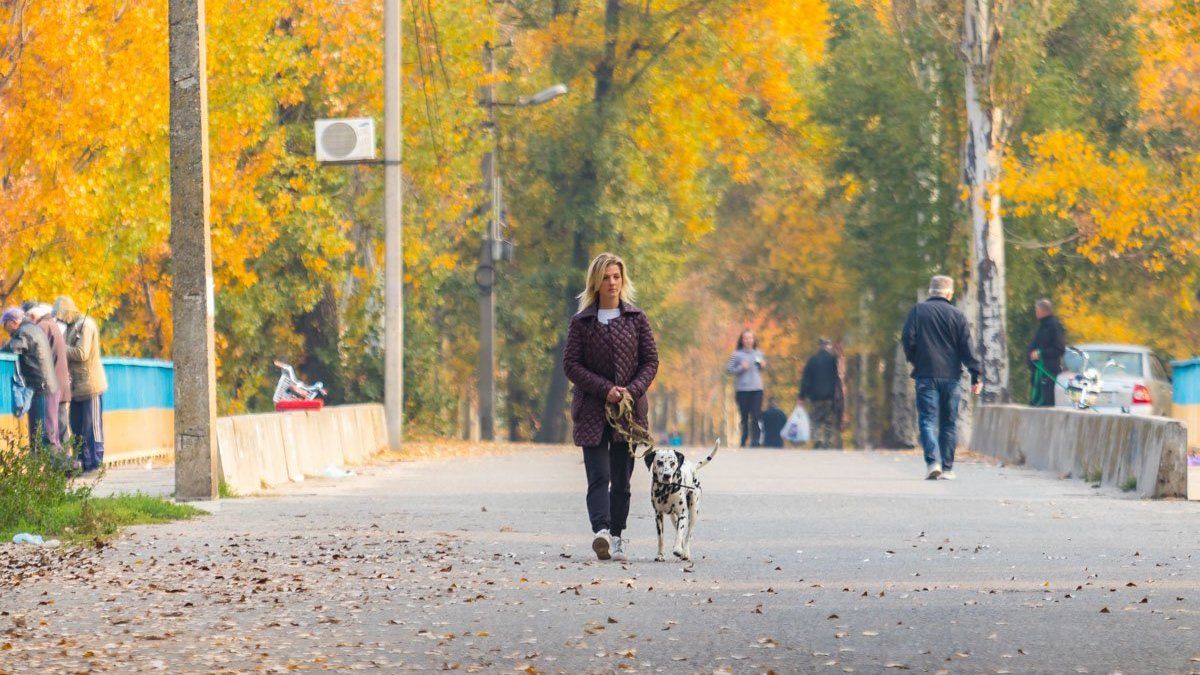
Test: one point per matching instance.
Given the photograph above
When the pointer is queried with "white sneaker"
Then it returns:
(948, 475)
(618, 550)
(932, 471)
(601, 545)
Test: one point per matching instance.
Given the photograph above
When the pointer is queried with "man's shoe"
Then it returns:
(932, 471)
(948, 475)
(618, 550)
(601, 544)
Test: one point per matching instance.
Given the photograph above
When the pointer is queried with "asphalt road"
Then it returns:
(805, 562)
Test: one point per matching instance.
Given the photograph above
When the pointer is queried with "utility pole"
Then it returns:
(393, 249)
(494, 248)
(191, 255)
(485, 276)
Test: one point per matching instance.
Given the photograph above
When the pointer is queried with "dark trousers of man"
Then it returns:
(43, 421)
(749, 404)
(1041, 391)
(824, 420)
(87, 423)
(937, 419)
(609, 467)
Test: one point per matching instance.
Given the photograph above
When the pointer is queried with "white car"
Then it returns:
(1132, 379)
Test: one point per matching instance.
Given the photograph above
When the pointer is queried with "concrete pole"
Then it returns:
(191, 255)
(393, 254)
(487, 267)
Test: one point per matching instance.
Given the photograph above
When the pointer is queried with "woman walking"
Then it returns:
(610, 352)
(746, 364)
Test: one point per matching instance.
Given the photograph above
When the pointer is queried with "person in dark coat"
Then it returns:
(937, 342)
(610, 352)
(773, 421)
(1046, 349)
(821, 392)
(36, 362)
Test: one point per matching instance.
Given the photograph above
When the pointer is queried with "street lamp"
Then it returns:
(543, 96)
(493, 248)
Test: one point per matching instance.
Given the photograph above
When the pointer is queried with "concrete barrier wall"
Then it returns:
(1152, 450)
(261, 451)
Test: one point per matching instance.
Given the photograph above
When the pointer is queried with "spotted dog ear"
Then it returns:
(679, 457)
(649, 458)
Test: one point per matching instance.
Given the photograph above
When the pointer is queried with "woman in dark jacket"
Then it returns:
(610, 352)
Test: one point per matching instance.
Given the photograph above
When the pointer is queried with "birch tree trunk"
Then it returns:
(986, 138)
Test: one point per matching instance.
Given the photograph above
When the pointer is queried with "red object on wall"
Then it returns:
(313, 404)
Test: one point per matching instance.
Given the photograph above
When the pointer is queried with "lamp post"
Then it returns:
(493, 248)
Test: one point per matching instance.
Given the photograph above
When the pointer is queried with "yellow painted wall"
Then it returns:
(1189, 414)
(129, 434)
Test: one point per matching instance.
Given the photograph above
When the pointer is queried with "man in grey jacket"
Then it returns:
(36, 364)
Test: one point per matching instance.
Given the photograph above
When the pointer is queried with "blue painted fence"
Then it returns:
(1185, 377)
(133, 384)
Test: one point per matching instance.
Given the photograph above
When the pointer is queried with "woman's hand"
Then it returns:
(614, 395)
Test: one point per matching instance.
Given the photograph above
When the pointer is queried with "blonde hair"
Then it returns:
(595, 275)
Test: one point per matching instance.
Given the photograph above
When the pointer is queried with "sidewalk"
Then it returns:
(154, 479)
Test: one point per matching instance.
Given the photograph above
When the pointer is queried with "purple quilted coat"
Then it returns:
(598, 357)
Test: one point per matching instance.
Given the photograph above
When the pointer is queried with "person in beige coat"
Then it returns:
(88, 382)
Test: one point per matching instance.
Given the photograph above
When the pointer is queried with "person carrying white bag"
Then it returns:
(798, 428)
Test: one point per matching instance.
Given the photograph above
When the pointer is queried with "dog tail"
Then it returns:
(712, 454)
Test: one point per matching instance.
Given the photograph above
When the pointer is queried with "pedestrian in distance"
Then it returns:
(42, 316)
(36, 365)
(937, 342)
(773, 421)
(821, 394)
(1046, 351)
(88, 382)
(746, 365)
(610, 352)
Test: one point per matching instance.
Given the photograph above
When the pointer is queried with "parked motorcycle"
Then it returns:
(1083, 389)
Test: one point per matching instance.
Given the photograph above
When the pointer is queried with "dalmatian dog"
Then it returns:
(675, 491)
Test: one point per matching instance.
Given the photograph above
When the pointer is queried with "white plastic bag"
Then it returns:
(797, 429)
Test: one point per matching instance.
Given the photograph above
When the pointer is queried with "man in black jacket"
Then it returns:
(773, 420)
(1047, 348)
(821, 389)
(36, 363)
(937, 342)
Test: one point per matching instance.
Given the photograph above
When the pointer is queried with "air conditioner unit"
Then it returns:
(345, 140)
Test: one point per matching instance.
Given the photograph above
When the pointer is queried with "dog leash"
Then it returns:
(621, 418)
(677, 485)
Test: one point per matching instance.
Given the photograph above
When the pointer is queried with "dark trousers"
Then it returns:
(937, 418)
(43, 421)
(1042, 391)
(824, 419)
(749, 405)
(609, 467)
(87, 423)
